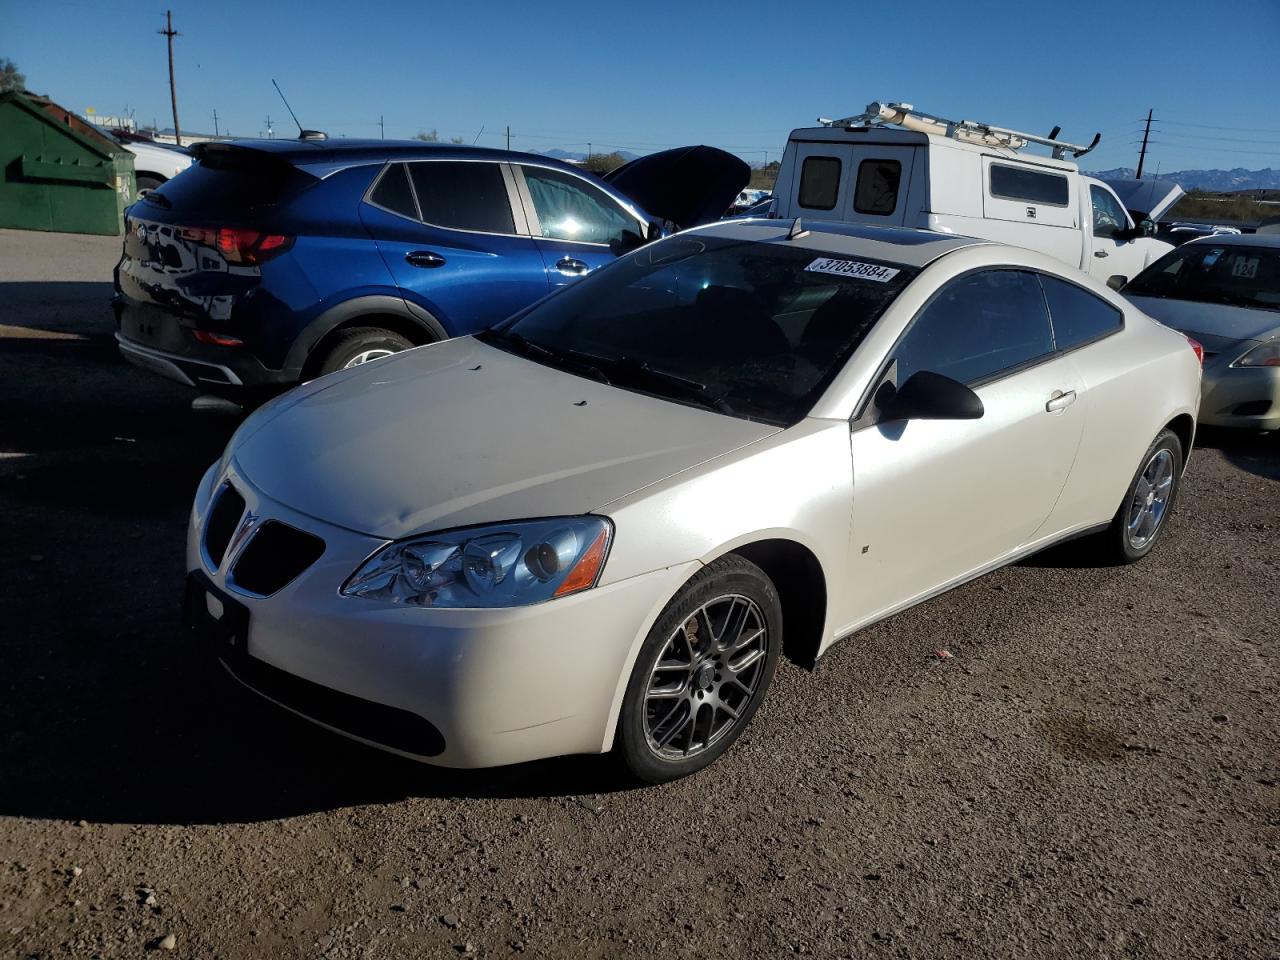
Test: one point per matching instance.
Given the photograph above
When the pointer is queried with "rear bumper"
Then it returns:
(160, 342)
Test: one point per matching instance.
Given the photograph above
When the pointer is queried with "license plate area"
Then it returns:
(217, 622)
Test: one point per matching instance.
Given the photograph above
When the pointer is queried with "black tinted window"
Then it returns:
(819, 183)
(1019, 183)
(977, 327)
(1078, 316)
(877, 189)
(392, 192)
(228, 180)
(463, 195)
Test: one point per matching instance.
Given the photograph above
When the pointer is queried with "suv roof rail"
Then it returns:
(970, 131)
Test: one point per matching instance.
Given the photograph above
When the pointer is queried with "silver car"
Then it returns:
(1225, 292)
(598, 525)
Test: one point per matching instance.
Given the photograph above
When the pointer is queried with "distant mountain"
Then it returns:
(1221, 181)
(558, 154)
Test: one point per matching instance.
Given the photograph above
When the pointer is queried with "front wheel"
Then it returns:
(1144, 513)
(702, 672)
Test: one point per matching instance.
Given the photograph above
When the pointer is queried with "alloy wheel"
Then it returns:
(365, 356)
(705, 676)
(1150, 500)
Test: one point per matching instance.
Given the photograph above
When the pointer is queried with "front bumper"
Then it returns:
(497, 686)
(1246, 397)
(159, 341)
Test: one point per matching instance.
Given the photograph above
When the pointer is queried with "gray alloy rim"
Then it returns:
(705, 676)
(366, 356)
(1150, 500)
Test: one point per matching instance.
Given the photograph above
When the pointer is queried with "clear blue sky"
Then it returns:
(642, 76)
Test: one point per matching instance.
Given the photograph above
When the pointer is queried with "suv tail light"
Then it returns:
(238, 244)
(1198, 347)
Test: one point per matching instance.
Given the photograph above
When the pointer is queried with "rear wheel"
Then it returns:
(146, 184)
(701, 673)
(1144, 513)
(360, 345)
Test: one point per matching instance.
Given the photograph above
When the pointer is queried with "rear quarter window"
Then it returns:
(1034, 186)
(1078, 316)
(819, 183)
(392, 192)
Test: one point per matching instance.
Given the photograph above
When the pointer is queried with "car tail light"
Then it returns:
(238, 244)
(1198, 347)
(217, 339)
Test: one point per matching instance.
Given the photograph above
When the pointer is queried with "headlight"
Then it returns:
(1263, 355)
(506, 565)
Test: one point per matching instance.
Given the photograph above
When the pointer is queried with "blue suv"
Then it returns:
(273, 262)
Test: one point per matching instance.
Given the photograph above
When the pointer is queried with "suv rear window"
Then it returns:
(1020, 183)
(232, 179)
(463, 195)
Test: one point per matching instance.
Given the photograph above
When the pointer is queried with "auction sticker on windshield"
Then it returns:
(853, 268)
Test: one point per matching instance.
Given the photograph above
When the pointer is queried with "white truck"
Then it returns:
(896, 166)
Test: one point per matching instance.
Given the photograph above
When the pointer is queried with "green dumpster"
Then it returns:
(57, 172)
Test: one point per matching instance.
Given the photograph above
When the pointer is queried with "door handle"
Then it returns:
(1100, 254)
(1060, 401)
(571, 267)
(424, 258)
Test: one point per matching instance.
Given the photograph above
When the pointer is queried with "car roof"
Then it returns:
(1239, 240)
(336, 154)
(903, 245)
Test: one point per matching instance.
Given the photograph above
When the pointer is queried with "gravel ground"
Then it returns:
(1095, 772)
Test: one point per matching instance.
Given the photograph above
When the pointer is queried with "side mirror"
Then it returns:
(628, 240)
(1148, 227)
(931, 396)
(1117, 281)
(653, 232)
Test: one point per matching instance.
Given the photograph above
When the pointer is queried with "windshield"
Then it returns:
(752, 330)
(1239, 275)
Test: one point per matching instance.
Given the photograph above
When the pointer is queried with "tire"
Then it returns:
(360, 345)
(147, 183)
(1142, 505)
(726, 601)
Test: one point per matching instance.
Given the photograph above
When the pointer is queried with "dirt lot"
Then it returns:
(1095, 773)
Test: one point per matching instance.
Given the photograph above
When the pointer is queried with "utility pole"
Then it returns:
(508, 136)
(588, 153)
(270, 132)
(215, 123)
(169, 33)
(382, 127)
(1146, 133)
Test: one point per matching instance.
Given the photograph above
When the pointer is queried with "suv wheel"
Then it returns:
(360, 345)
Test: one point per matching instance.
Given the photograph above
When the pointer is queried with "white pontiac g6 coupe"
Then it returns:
(597, 526)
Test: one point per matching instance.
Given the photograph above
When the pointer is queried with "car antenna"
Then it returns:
(302, 134)
(796, 231)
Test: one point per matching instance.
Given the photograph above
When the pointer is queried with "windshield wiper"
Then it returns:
(571, 359)
(640, 374)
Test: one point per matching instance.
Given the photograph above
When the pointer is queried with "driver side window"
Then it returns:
(1108, 215)
(978, 327)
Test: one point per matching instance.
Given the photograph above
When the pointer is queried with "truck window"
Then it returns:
(877, 188)
(1108, 215)
(1022, 183)
(1078, 316)
(819, 183)
(978, 327)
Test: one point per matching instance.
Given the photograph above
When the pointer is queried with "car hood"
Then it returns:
(1146, 198)
(460, 433)
(1221, 321)
(687, 185)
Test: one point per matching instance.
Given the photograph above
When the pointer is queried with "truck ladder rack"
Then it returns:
(970, 131)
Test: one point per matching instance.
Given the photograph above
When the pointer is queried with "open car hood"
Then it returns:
(1146, 199)
(687, 185)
